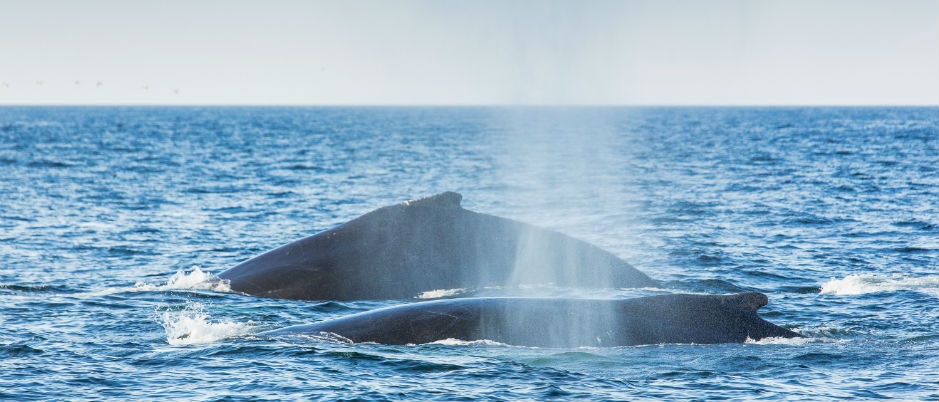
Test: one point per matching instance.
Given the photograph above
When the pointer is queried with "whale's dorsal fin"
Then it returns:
(750, 300)
(447, 199)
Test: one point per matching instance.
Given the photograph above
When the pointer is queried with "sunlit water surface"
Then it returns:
(113, 221)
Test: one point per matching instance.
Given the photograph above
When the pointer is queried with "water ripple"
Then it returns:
(114, 219)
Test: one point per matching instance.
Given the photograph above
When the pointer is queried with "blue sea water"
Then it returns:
(113, 220)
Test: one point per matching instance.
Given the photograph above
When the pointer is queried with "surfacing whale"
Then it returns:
(401, 251)
(562, 323)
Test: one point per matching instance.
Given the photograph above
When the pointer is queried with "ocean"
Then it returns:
(113, 221)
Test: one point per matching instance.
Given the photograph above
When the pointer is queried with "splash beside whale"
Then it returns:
(401, 251)
(563, 323)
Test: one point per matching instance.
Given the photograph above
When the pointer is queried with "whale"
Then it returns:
(404, 250)
(556, 322)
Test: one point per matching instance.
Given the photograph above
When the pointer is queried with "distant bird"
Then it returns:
(176, 91)
(77, 82)
(99, 84)
(40, 82)
(146, 87)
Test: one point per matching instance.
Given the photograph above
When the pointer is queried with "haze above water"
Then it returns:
(725, 52)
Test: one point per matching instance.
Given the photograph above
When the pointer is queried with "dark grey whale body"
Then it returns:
(674, 318)
(403, 250)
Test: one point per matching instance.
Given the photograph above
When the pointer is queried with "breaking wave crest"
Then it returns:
(441, 293)
(859, 284)
(192, 326)
(460, 342)
(195, 279)
(782, 341)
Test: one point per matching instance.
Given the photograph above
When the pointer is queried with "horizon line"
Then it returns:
(479, 105)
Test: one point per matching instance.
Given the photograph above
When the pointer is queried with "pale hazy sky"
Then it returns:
(783, 52)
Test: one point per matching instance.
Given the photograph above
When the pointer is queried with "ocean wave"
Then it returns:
(460, 342)
(858, 284)
(441, 293)
(196, 279)
(783, 341)
(192, 326)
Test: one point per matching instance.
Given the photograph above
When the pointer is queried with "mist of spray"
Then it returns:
(562, 171)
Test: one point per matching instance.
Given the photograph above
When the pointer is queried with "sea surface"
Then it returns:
(113, 221)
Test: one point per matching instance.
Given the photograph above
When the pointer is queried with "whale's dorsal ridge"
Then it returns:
(447, 199)
(552, 323)
(409, 248)
(751, 300)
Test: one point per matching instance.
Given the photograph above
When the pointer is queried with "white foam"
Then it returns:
(859, 284)
(460, 342)
(196, 279)
(778, 340)
(436, 294)
(192, 326)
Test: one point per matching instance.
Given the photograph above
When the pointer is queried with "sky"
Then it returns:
(481, 52)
